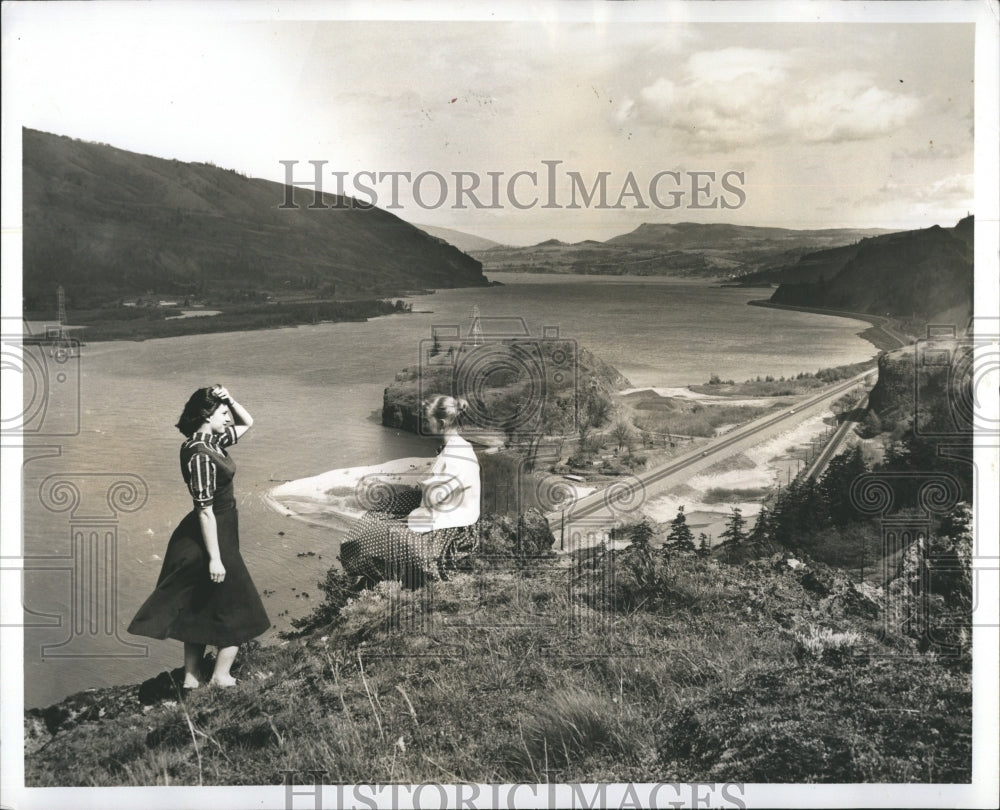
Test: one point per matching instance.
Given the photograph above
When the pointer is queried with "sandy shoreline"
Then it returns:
(337, 498)
(708, 399)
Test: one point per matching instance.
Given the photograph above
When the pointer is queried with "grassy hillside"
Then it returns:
(616, 666)
(143, 323)
(686, 235)
(109, 224)
(811, 267)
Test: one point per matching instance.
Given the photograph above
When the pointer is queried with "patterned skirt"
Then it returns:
(381, 546)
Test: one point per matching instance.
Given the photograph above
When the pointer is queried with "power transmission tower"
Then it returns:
(476, 330)
(61, 309)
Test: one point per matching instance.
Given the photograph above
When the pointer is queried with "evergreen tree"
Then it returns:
(680, 540)
(641, 533)
(799, 513)
(835, 486)
(704, 547)
(761, 533)
(735, 533)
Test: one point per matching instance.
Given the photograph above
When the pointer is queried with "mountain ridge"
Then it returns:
(105, 223)
(706, 250)
(916, 276)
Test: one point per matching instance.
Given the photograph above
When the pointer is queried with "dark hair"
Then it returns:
(199, 407)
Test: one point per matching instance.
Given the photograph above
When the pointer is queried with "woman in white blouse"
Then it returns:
(420, 543)
(451, 492)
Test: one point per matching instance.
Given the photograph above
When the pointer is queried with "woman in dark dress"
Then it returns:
(204, 594)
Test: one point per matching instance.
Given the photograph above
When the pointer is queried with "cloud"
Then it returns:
(722, 97)
(747, 65)
(746, 96)
(847, 107)
(956, 186)
(932, 150)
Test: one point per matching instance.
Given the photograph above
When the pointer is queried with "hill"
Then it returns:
(465, 242)
(109, 224)
(682, 249)
(688, 235)
(915, 276)
(811, 267)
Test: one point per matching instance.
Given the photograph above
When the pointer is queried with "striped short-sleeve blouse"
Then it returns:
(200, 458)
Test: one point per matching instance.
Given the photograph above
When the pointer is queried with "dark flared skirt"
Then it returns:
(186, 605)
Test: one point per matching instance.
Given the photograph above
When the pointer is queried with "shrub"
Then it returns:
(379, 609)
(826, 645)
(635, 461)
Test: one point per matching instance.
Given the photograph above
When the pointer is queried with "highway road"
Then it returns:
(623, 499)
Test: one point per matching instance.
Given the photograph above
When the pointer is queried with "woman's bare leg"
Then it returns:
(223, 661)
(193, 654)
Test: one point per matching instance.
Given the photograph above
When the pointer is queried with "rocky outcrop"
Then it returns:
(893, 391)
(535, 385)
(929, 384)
(840, 597)
(42, 726)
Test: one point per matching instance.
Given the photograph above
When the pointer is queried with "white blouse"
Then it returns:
(451, 491)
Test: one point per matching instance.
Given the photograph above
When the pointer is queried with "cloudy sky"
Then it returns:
(830, 124)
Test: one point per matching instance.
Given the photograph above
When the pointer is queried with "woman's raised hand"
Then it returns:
(221, 392)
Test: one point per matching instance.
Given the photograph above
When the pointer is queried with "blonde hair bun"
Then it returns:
(444, 411)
